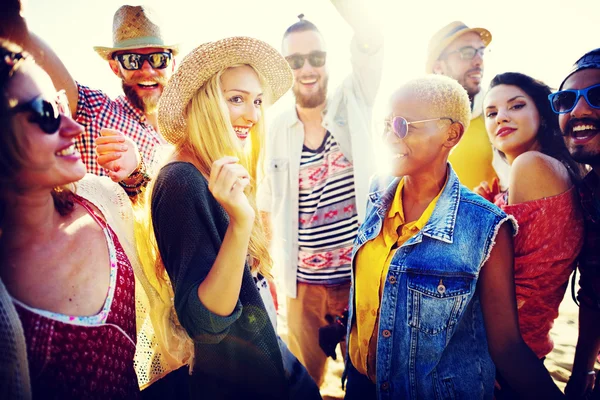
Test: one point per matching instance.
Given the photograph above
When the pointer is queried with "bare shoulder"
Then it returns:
(535, 175)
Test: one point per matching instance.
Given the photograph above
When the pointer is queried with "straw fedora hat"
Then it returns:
(208, 59)
(135, 27)
(447, 35)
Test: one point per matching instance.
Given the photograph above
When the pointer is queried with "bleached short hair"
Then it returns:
(445, 97)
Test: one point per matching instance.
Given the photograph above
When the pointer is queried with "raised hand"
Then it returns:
(117, 154)
(227, 181)
(486, 191)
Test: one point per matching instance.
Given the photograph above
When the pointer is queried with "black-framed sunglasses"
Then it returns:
(565, 101)
(469, 52)
(315, 58)
(47, 114)
(134, 61)
(399, 125)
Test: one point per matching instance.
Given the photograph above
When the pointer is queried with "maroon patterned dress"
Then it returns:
(86, 357)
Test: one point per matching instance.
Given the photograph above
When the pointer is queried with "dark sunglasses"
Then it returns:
(399, 125)
(46, 114)
(565, 101)
(468, 52)
(315, 58)
(134, 61)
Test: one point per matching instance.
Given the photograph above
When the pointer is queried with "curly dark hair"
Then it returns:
(548, 135)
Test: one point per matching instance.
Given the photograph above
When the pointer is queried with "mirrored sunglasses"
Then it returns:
(565, 101)
(45, 113)
(135, 61)
(315, 58)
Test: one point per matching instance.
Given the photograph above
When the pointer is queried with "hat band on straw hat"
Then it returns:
(146, 41)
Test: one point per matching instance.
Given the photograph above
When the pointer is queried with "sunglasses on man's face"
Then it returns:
(399, 125)
(315, 58)
(135, 61)
(468, 52)
(565, 101)
(45, 113)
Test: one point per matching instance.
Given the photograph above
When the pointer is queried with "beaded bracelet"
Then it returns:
(136, 188)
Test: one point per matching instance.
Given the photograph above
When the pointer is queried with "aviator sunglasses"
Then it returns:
(399, 125)
(315, 58)
(134, 61)
(565, 101)
(46, 114)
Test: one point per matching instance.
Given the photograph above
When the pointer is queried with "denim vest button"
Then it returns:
(441, 288)
(392, 279)
(385, 386)
(386, 333)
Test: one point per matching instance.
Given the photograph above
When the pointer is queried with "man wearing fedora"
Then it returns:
(458, 51)
(139, 56)
(577, 104)
(318, 164)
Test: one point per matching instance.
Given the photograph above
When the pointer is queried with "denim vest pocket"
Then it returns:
(436, 301)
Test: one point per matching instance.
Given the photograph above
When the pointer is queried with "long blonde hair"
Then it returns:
(210, 136)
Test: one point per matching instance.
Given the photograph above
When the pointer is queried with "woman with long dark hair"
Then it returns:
(541, 196)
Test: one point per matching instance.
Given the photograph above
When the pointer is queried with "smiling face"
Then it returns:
(51, 158)
(581, 126)
(511, 120)
(425, 146)
(310, 83)
(243, 93)
(143, 86)
(467, 72)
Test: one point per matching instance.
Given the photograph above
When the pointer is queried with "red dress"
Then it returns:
(549, 240)
(86, 357)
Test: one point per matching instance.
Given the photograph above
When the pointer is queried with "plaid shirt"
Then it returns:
(589, 258)
(95, 110)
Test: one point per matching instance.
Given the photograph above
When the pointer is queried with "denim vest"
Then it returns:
(432, 342)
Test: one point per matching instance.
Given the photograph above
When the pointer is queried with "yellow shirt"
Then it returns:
(472, 157)
(371, 268)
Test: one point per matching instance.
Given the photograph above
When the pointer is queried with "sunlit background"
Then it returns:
(539, 38)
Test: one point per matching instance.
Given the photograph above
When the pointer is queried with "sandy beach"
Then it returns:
(558, 362)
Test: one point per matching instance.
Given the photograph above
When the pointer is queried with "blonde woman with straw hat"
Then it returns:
(203, 216)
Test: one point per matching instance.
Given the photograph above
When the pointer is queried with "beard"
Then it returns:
(148, 103)
(313, 100)
(584, 156)
(588, 153)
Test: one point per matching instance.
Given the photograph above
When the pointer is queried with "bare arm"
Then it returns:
(357, 14)
(14, 28)
(588, 346)
(534, 175)
(513, 358)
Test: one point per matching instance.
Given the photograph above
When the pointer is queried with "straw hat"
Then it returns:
(135, 27)
(208, 59)
(446, 35)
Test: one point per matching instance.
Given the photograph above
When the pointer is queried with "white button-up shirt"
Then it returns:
(348, 118)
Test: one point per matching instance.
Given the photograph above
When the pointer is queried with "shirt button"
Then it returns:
(385, 386)
(392, 279)
(386, 333)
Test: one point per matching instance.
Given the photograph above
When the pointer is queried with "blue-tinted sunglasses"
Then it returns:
(565, 101)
